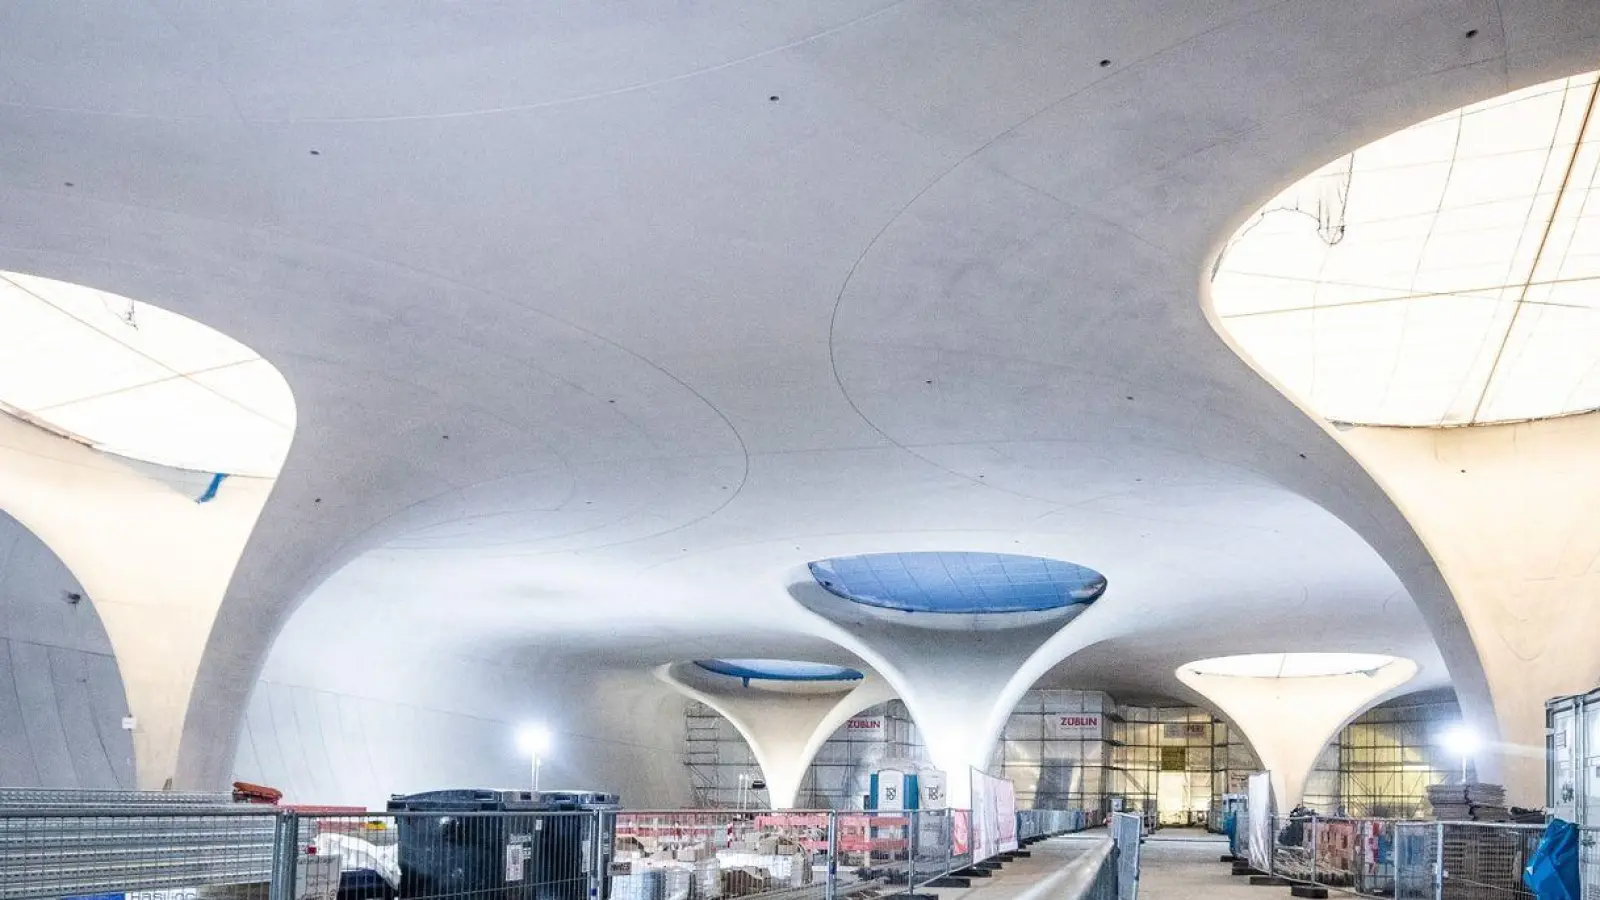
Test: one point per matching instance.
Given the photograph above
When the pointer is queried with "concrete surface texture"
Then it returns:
(1174, 868)
(601, 322)
(61, 698)
(1036, 877)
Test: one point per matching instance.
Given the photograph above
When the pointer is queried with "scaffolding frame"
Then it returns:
(1379, 765)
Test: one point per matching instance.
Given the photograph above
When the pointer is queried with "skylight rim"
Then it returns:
(137, 381)
(773, 670)
(1524, 357)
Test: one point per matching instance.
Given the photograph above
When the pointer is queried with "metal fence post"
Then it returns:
(949, 842)
(1438, 861)
(1313, 848)
(1399, 860)
(597, 874)
(1272, 845)
(285, 855)
(830, 885)
(911, 850)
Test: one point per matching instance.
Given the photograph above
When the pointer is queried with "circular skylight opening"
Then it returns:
(138, 381)
(778, 670)
(959, 583)
(1448, 274)
(1291, 665)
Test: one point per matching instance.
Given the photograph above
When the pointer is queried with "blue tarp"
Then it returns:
(1552, 872)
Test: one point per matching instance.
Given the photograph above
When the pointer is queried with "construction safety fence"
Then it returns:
(1417, 860)
(244, 852)
(1036, 823)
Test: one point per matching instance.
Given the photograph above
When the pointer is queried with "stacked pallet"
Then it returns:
(1471, 802)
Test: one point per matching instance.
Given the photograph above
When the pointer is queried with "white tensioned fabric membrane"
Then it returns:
(1290, 665)
(135, 380)
(1448, 274)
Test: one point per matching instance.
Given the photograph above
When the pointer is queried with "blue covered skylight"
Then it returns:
(964, 583)
(778, 670)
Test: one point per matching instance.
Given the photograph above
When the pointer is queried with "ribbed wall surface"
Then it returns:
(61, 696)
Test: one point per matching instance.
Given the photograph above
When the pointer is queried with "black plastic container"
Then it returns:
(505, 845)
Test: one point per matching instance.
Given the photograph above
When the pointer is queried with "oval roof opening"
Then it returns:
(778, 670)
(132, 379)
(1446, 275)
(959, 583)
(1291, 665)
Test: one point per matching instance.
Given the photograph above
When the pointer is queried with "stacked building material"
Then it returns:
(1471, 802)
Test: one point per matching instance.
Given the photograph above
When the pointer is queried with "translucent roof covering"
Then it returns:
(1291, 665)
(964, 583)
(779, 670)
(135, 380)
(1448, 274)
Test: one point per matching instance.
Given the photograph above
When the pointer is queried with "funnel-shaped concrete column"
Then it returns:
(959, 688)
(784, 724)
(1508, 513)
(1291, 704)
(154, 560)
(1478, 421)
(957, 668)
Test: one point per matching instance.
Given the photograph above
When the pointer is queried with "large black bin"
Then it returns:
(504, 845)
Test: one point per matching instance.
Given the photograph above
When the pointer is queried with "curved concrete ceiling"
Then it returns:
(601, 321)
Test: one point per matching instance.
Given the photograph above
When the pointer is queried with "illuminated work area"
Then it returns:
(729, 449)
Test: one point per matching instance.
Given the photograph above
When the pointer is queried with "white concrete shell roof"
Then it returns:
(602, 321)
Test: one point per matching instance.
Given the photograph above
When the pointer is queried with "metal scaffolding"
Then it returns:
(1068, 749)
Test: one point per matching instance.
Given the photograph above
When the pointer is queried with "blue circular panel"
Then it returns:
(966, 583)
(778, 670)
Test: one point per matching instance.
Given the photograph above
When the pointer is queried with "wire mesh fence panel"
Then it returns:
(1241, 833)
(470, 855)
(1374, 859)
(873, 849)
(960, 839)
(931, 850)
(60, 799)
(1292, 847)
(1335, 852)
(707, 855)
(1589, 862)
(1038, 823)
(461, 853)
(1485, 862)
(357, 855)
(82, 852)
(1416, 860)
